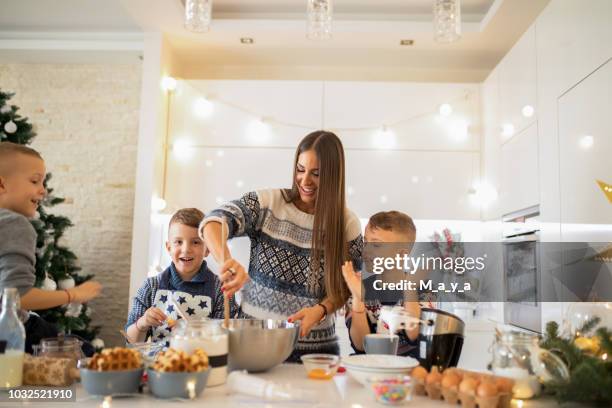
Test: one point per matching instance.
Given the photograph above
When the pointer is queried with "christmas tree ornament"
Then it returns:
(49, 284)
(97, 343)
(10, 127)
(73, 310)
(5, 109)
(66, 283)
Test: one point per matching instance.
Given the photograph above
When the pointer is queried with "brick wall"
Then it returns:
(86, 117)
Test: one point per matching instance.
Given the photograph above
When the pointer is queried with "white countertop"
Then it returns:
(341, 391)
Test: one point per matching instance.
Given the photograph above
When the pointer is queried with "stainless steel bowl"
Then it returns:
(258, 345)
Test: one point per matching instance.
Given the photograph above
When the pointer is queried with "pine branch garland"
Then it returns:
(590, 376)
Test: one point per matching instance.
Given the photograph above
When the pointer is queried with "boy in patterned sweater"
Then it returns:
(188, 280)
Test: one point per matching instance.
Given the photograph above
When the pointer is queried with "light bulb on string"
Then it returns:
(528, 111)
(258, 131)
(203, 108)
(158, 204)
(482, 194)
(182, 149)
(586, 142)
(507, 130)
(168, 83)
(445, 109)
(384, 138)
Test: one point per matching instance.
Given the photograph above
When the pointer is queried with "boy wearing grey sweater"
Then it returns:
(22, 175)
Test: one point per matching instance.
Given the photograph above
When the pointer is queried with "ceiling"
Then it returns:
(366, 36)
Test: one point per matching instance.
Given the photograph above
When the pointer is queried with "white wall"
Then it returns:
(426, 171)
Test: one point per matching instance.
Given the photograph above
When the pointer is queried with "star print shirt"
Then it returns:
(200, 297)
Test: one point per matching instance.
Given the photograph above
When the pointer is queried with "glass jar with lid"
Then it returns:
(210, 336)
(518, 355)
(60, 347)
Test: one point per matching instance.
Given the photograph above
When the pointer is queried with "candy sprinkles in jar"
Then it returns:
(391, 390)
(211, 337)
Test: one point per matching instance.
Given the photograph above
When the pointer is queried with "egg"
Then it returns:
(433, 377)
(419, 373)
(451, 380)
(487, 389)
(468, 386)
(455, 371)
(504, 384)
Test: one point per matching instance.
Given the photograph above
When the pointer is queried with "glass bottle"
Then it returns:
(12, 341)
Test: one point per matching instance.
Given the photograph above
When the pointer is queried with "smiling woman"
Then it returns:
(299, 239)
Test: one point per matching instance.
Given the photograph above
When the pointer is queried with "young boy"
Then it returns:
(22, 173)
(363, 318)
(194, 287)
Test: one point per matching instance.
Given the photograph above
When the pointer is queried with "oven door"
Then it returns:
(522, 282)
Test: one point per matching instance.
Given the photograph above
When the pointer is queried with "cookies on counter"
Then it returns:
(177, 361)
(116, 359)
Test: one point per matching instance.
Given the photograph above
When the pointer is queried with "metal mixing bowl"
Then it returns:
(258, 345)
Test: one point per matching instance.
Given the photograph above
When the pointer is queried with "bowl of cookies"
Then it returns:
(177, 374)
(113, 371)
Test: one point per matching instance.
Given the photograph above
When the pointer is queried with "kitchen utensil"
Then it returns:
(320, 366)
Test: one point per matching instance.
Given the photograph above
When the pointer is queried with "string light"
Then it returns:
(527, 111)
(445, 109)
(168, 83)
(158, 204)
(507, 129)
(182, 149)
(258, 130)
(384, 138)
(203, 108)
(482, 194)
(586, 142)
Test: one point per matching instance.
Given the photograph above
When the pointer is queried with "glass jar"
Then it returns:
(518, 355)
(210, 336)
(60, 347)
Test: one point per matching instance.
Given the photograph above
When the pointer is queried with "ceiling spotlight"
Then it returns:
(407, 42)
(247, 40)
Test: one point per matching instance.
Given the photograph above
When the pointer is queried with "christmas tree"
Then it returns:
(56, 265)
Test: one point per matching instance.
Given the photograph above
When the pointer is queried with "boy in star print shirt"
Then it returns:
(194, 287)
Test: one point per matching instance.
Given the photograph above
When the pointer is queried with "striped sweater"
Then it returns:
(281, 278)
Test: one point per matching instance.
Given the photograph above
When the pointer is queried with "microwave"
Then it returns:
(522, 269)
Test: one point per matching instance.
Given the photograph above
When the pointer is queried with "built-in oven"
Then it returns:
(522, 269)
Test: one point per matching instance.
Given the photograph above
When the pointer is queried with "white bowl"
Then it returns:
(363, 366)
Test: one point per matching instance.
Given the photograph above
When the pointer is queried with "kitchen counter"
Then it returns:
(341, 391)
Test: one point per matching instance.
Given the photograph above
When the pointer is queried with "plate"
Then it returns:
(379, 362)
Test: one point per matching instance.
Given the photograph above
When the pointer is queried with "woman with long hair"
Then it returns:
(300, 237)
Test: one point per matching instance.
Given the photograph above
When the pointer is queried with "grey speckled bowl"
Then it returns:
(111, 382)
(176, 385)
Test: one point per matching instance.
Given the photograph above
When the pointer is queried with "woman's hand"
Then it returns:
(309, 316)
(233, 275)
(352, 279)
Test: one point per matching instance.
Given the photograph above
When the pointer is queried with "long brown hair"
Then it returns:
(328, 234)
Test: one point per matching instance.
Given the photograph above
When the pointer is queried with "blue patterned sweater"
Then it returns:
(281, 278)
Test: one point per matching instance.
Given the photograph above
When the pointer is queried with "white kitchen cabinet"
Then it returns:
(517, 84)
(519, 186)
(585, 147)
